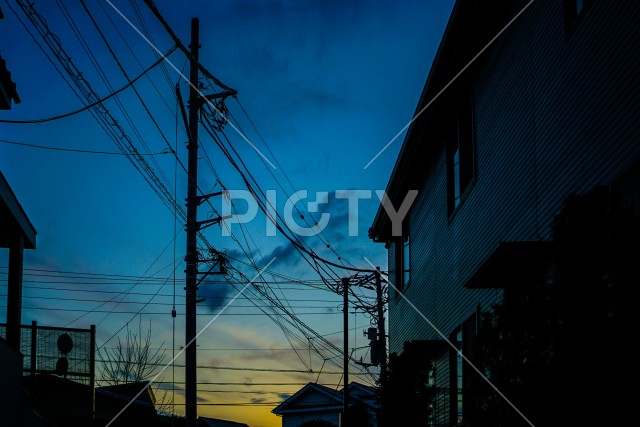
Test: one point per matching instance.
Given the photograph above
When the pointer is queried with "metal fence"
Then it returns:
(67, 352)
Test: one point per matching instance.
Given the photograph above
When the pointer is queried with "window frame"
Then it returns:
(403, 259)
(460, 147)
(462, 378)
(406, 262)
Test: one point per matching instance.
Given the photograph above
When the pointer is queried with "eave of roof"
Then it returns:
(15, 217)
(381, 220)
(468, 27)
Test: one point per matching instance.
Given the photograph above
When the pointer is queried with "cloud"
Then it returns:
(284, 255)
(264, 355)
(168, 386)
(311, 95)
(216, 293)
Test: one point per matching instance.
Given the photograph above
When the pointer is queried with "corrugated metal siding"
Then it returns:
(555, 113)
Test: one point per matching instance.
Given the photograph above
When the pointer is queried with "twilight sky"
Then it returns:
(325, 83)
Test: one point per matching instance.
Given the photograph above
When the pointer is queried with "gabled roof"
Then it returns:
(312, 397)
(318, 398)
(364, 393)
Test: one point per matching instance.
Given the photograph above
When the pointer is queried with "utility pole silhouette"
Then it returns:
(191, 258)
(345, 395)
(382, 334)
(193, 226)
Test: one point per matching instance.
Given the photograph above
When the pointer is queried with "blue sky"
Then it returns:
(327, 84)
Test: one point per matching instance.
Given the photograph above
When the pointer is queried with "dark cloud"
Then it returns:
(262, 355)
(216, 294)
(235, 253)
(284, 255)
(168, 386)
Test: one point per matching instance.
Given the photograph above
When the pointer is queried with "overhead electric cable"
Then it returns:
(77, 150)
(95, 103)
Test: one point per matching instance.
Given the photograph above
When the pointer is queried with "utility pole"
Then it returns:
(345, 398)
(191, 409)
(382, 334)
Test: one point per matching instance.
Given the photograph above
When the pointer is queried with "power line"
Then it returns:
(77, 150)
(234, 404)
(160, 295)
(123, 278)
(234, 368)
(163, 313)
(102, 115)
(95, 103)
(156, 12)
(157, 303)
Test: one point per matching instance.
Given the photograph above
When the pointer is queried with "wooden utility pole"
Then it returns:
(345, 395)
(382, 334)
(191, 258)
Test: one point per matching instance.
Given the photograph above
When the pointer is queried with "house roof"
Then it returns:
(318, 398)
(471, 28)
(13, 219)
(128, 391)
(360, 390)
(311, 397)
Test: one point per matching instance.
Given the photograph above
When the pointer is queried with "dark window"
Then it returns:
(460, 155)
(406, 261)
(403, 263)
(463, 381)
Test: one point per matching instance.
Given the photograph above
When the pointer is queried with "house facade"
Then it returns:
(526, 104)
(318, 405)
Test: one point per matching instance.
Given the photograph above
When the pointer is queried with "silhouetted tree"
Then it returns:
(563, 348)
(134, 360)
(405, 396)
(357, 415)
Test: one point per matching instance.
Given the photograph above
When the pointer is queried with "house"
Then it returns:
(17, 234)
(132, 403)
(526, 103)
(65, 401)
(179, 421)
(318, 405)
(11, 390)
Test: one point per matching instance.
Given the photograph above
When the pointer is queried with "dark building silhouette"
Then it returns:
(548, 109)
(17, 234)
(113, 399)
